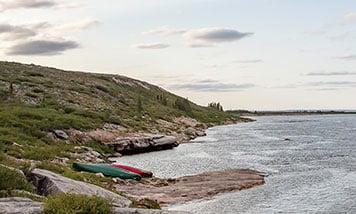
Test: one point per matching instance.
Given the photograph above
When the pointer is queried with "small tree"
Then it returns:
(11, 89)
(162, 99)
(216, 106)
(139, 104)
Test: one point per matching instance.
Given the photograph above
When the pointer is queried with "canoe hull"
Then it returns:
(141, 172)
(107, 170)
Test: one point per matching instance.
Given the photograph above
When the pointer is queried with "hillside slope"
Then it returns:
(36, 100)
(50, 118)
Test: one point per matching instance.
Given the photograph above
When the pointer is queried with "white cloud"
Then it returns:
(204, 37)
(347, 57)
(211, 86)
(165, 31)
(151, 46)
(339, 73)
(79, 25)
(197, 45)
(350, 18)
(332, 83)
(208, 36)
(30, 4)
(249, 61)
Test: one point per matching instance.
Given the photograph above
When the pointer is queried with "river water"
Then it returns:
(310, 162)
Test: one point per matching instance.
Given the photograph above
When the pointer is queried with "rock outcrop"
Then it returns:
(16, 205)
(60, 134)
(49, 183)
(169, 135)
(132, 145)
(189, 188)
(90, 155)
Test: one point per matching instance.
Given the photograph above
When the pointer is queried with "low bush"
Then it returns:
(11, 180)
(2, 156)
(77, 204)
(145, 203)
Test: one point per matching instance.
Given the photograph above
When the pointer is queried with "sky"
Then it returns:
(255, 54)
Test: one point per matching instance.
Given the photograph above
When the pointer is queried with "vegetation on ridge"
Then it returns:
(36, 100)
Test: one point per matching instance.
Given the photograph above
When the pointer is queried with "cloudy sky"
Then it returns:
(255, 54)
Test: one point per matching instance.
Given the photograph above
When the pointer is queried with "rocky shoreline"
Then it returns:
(163, 191)
(126, 142)
(188, 188)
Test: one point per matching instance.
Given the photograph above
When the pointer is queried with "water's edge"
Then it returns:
(309, 160)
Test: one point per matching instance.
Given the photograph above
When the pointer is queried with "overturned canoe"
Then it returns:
(107, 170)
(141, 172)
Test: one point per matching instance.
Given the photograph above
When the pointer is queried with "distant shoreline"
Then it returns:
(288, 113)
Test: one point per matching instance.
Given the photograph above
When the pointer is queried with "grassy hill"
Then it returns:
(36, 100)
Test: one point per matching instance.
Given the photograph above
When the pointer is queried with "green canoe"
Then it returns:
(107, 170)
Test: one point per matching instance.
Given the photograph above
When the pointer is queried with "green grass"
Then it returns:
(81, 101)
(13, 180)
(77, 204)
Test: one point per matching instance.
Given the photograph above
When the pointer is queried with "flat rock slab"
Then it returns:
(49, 183)
(188, 188)
(17, 205)
(145, 211)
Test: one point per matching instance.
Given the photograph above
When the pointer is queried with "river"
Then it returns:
(310, 162)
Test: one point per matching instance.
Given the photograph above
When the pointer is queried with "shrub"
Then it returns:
(31, 95)
(183, 105)
(11, 180)
(34, 74)
(102, 88)
(78, 204)
(2, 156)
(37, 90)
(145, 203)
(3, 94)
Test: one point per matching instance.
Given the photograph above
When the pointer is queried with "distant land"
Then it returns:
(289, 112)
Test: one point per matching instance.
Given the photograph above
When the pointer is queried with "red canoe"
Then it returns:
(141, 172)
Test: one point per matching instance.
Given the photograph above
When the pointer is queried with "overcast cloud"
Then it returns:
(17, 4)
(41, 47)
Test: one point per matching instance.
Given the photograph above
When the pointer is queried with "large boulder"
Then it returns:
(18, 205)
(49, 183)
(61, 134)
